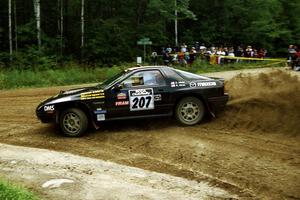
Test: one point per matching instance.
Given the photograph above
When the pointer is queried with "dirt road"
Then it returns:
(252, 150)
(48, 173)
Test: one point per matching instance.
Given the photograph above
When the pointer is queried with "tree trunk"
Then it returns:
(58, 26)
(10, 30)
(61, 26)
(82, 28)
(176, 25)
(37, 12)
(16, 25)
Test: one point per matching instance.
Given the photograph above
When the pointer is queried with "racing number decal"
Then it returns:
(141, 99)
(141, 102)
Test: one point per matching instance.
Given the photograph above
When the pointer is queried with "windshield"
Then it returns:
(191, 76)
(113, 79)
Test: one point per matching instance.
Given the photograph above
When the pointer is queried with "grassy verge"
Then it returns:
(204, 67)
(10, 79)
(9, 191)
(16, 78)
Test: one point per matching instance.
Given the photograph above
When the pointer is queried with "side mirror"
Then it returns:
(117, 87)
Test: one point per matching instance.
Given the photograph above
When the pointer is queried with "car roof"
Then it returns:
(146, 67)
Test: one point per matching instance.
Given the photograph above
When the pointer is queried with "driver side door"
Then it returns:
(142, 93)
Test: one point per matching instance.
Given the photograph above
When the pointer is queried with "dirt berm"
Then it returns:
(267, 102)
(251, 150)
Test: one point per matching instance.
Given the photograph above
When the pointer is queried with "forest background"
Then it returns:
(105, 32)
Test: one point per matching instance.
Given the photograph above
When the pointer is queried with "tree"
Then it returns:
(173, 10)
(10, 30)
(106, 31)
(16, 25)
(37, 12)
(82, 28)
(60, 24)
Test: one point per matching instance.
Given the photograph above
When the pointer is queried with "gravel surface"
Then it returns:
(251, 151)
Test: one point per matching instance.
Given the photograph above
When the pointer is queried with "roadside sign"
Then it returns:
(144, 42)
(139, 60)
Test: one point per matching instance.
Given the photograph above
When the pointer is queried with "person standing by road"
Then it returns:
(154, 58)
(296, 64)
(291, 56)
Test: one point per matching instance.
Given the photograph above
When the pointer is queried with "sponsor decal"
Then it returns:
(157, 97)
(202, 84)
(122, 96)
(181, 84)
(141, 99)
(193, 84)
(100, 117)
(98, 102)
(98, 94)
(178, 84)
(122, 103)
(49, 108)
(141, 92)
(100, 111)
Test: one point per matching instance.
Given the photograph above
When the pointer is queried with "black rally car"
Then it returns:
(136, 93)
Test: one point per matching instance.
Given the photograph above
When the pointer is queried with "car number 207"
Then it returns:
(141, 99)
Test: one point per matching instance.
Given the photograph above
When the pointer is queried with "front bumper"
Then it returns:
(217, 104)
(46, 117)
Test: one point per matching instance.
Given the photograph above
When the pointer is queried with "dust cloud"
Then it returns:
(266, 102)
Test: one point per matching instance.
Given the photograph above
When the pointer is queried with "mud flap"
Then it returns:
(209, 110)
(95, 126)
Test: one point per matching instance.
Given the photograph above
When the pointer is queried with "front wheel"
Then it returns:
(73, 122)
(189, 111)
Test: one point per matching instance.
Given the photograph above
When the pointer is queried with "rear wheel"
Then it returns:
(73, 122)
(189, 111)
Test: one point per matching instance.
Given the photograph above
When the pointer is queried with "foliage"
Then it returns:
(67, 75)
(9, 191)
(113, 27)
(73, 74)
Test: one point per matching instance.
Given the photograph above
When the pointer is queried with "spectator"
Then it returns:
(215, 55)
(154, 58)
(202, 47)
(231, 54)
(181, 58)
(192, 55)
(183, 48)
(296, 65)
(186, 56)
(231, 51)
(220, 52)
(248, 52)
(197, 46)
(239, 52)
(166, 57)
(291, 54)
(261, 53)
(169, 49)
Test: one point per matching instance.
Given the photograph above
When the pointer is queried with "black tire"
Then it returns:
(189, 111)
(73, 122)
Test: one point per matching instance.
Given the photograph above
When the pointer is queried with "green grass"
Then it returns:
(10, 79)
(10, 191)
(72, 74)
(204, 67)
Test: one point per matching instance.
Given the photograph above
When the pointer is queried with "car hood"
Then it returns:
(68, 95)
(75, 91)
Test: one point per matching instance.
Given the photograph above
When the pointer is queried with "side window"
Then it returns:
(144, 78)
